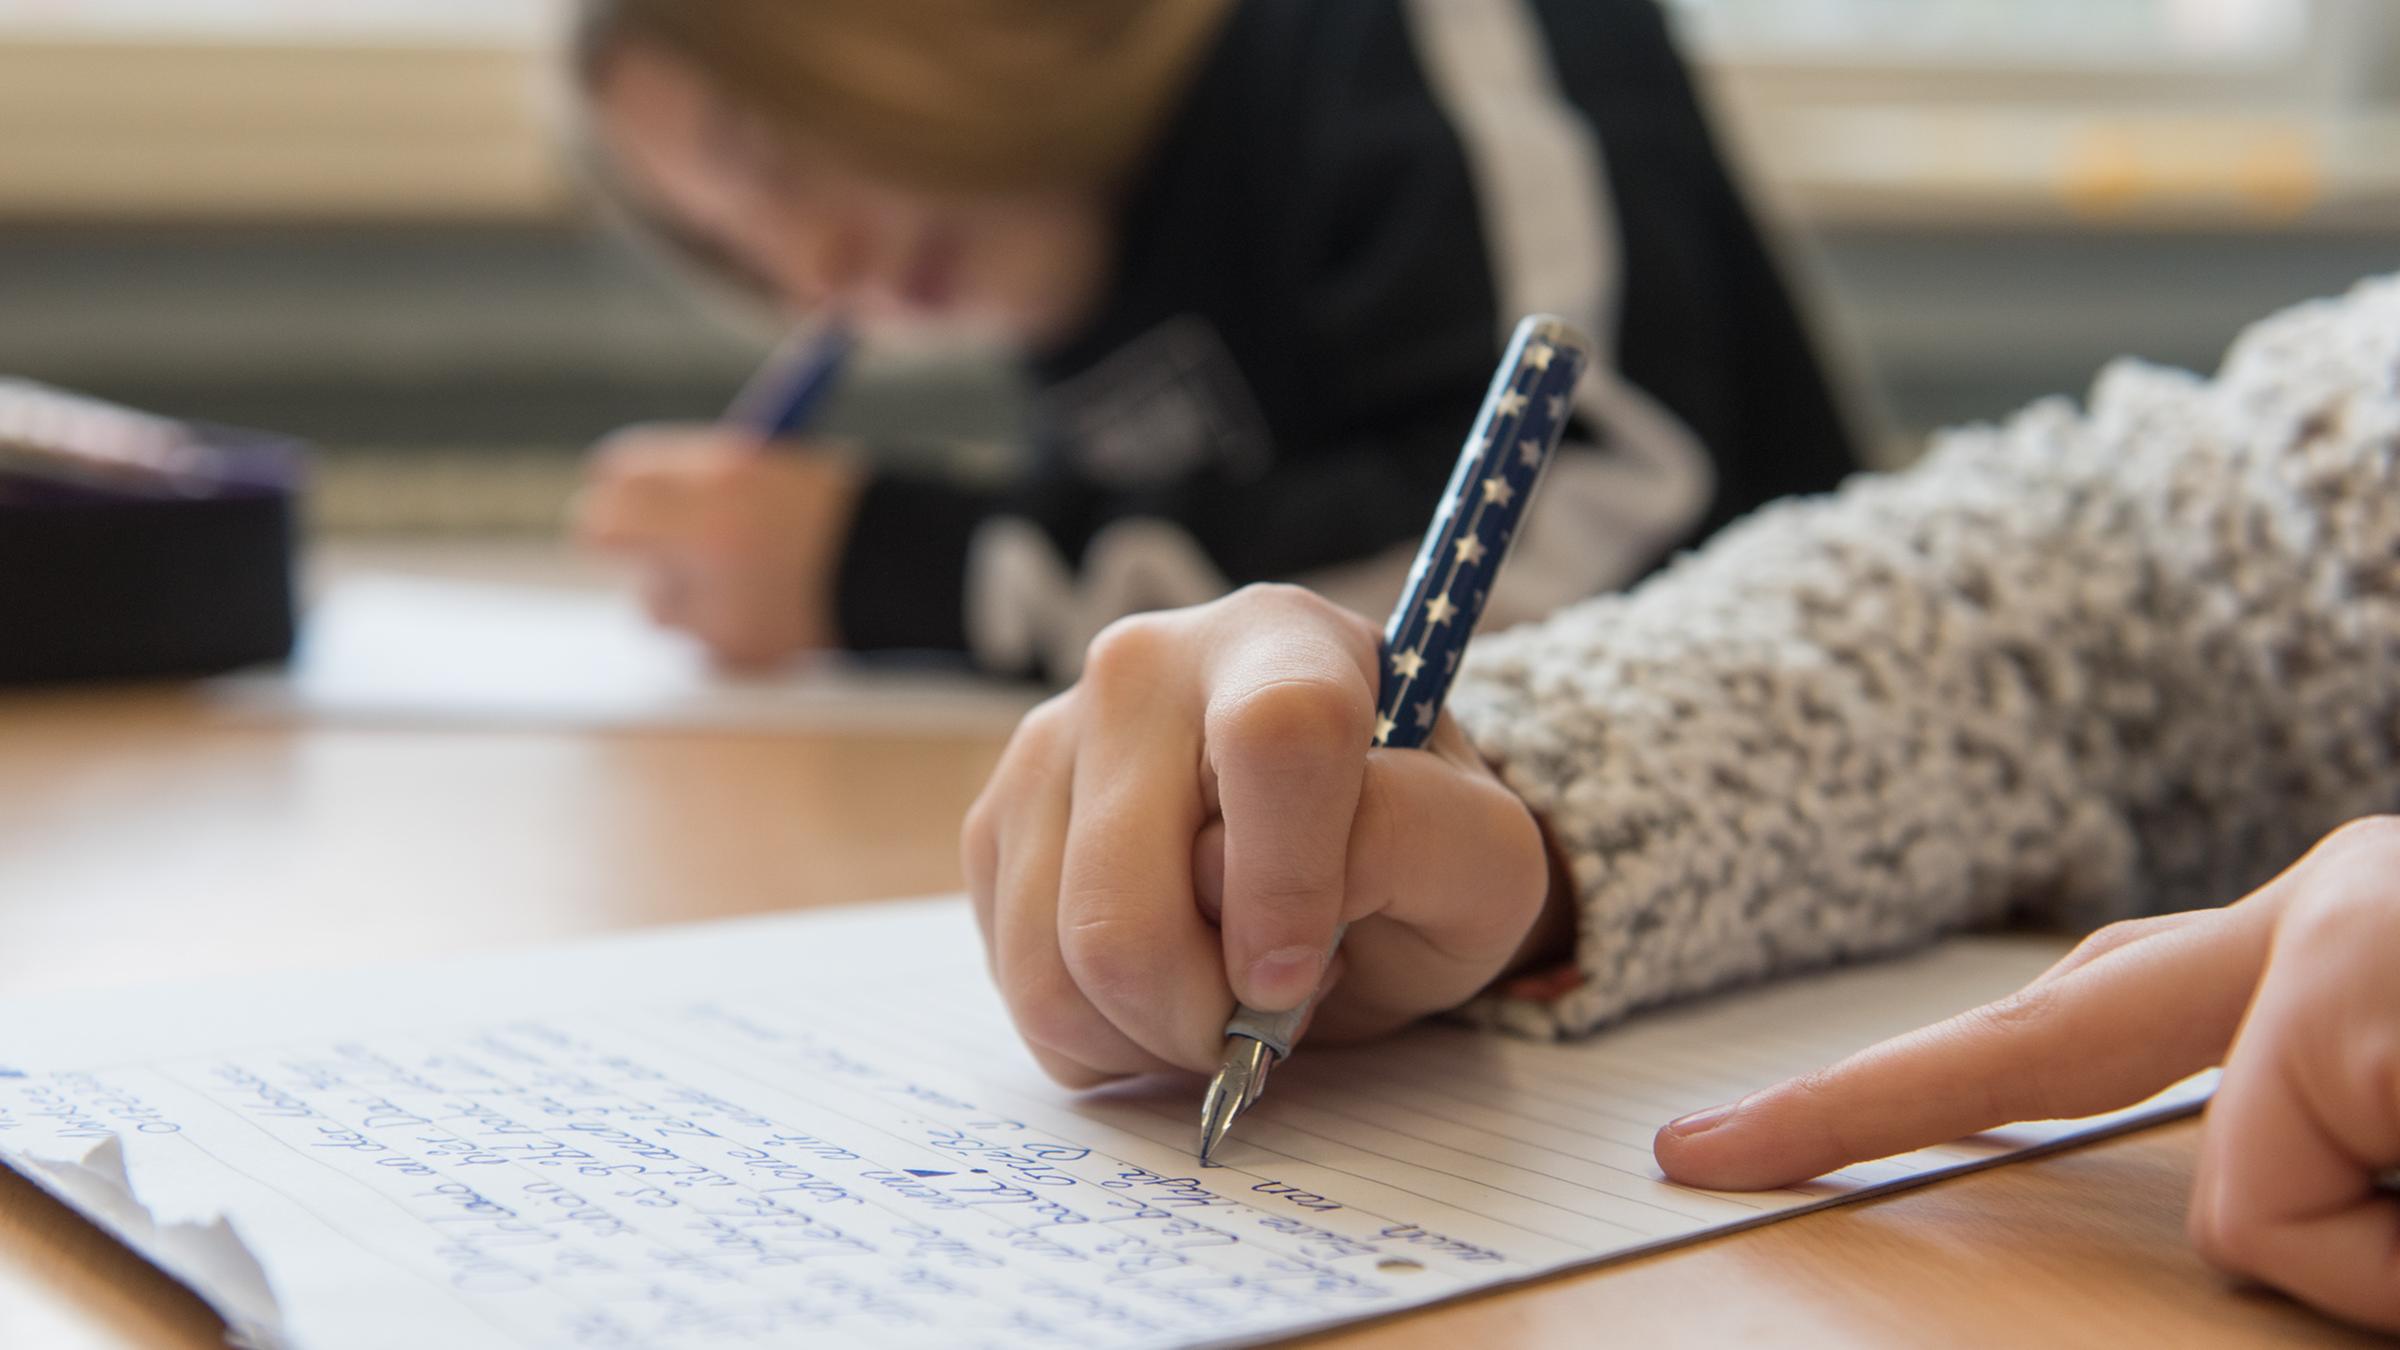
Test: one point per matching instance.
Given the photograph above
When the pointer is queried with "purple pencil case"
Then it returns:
(138, 547)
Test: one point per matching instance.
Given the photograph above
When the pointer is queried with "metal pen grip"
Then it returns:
(1277, 1031)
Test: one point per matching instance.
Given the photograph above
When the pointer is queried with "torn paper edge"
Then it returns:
(210, 1259)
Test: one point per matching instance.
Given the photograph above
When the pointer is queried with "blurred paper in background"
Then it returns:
(388, 648)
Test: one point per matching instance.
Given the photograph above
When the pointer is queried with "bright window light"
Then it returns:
(505, 21)
(2017, 32)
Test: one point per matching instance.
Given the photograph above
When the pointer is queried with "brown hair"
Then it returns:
(953, 94)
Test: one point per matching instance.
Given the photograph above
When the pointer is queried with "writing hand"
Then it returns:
(2296, 989)
(734, 545)
(1194, 818)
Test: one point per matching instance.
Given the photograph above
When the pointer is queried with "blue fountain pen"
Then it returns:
(1531, 402)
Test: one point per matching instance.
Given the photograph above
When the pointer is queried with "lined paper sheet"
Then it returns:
(437, 651)
(819, 1130)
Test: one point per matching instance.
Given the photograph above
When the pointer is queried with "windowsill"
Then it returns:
(329, 131)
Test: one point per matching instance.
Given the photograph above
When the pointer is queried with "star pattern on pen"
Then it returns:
(1507, 450)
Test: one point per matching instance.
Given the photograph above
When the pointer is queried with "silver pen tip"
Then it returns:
(1238, 1081)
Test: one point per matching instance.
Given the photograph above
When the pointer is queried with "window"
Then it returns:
(2236, 113)
(253, 109)
(502, 21)
(2321, 55)
(2026, 32)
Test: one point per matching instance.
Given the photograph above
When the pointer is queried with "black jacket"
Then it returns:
(1316, 272)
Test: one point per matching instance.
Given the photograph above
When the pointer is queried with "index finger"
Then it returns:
(1286, 731)
(1128, 929)
(2107, 1032)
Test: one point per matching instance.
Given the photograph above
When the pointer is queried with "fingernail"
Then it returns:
(1286, 976)
(1701, 1122)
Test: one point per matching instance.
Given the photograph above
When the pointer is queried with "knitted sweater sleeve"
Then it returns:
(2081, 666)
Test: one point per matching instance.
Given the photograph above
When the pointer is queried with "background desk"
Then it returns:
(143, 838)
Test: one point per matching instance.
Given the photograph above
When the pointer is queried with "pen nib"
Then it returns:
(1239, 1080)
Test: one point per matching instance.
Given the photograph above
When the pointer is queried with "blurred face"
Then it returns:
(823, 235)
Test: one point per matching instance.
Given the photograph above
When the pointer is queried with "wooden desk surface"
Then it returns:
(143, 838)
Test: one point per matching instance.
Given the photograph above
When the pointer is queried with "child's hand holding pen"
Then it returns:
(1192, 821)
(737, 546)
(1235, 791)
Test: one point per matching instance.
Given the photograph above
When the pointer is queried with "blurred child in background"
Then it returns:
(1260, 257)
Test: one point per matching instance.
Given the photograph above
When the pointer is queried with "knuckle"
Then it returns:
(1816, 1087)
(2001, 1094)
(1050, 718)
(2121, 934)
(1283, 597)
(1271, 595)
(1131, 650)
(1049, 725)
(1107, 959)
(1297, 721)
(2377, 835)
(2028, 1009)
(1261, 600)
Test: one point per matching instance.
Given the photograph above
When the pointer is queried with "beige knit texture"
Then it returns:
(2077, 667)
